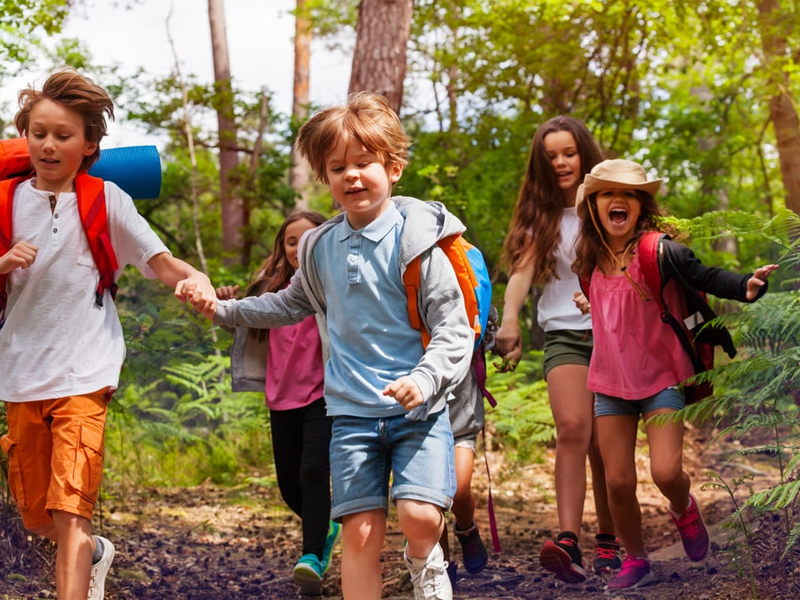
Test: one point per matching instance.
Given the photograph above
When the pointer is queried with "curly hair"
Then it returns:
(368, 118)
(534, 233)
(71, 89)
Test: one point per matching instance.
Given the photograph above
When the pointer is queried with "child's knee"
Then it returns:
(419, 519)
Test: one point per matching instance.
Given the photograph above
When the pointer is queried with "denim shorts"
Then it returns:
(567, 347)
(366, 452)
(605, 406)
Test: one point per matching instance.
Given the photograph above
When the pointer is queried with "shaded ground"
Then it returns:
(221, 543)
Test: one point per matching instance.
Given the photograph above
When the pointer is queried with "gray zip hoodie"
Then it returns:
(448, 356)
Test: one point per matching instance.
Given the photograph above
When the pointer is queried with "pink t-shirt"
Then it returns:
(635, 355)
(295, 373)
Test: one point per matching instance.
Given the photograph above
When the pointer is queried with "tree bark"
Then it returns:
(379, 60)
(774, 26)
(232, 206)
(299, 172)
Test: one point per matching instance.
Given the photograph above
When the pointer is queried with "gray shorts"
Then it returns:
(467, 412)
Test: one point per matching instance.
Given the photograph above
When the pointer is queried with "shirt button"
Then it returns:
(55, 216)
(55, 229)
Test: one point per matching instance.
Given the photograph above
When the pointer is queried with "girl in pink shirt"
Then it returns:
(293, 376)
(638, 361)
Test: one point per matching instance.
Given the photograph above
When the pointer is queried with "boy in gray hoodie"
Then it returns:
(386, 393)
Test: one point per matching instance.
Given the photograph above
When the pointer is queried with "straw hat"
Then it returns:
(616, 174)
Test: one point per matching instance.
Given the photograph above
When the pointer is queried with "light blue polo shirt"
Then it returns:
(372, 342)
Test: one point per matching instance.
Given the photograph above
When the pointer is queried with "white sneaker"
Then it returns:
(97, 583)
(429, 576)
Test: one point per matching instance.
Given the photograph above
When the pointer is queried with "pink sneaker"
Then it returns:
(694, 534)
(635, 572)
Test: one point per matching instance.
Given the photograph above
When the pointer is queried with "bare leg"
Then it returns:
(617, 437)
(362, 542)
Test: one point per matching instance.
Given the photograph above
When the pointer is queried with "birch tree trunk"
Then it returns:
(231, 202)
(379, 60)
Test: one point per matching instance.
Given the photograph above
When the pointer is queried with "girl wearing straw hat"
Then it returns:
(638, 361)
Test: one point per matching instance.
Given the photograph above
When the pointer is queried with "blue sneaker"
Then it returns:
(334, 535)
(308, 574)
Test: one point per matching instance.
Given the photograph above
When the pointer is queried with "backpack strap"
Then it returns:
(651, 261)
(411, 283)
(7, 187)
(92, 208)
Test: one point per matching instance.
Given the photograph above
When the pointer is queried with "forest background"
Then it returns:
(704, 93)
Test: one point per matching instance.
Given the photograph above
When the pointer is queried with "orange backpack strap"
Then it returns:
(7, 187)
(411, 283)
(456, 247)
(92, 208)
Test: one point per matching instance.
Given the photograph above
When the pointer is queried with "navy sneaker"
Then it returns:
(474, 552)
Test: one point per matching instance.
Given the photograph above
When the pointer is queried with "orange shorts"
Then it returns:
(55, 455)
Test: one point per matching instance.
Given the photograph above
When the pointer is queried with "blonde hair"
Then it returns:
(71, 89)
(366, 117)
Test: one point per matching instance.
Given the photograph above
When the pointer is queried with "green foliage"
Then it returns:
(757, 396)
(23, 23)
(522, 421)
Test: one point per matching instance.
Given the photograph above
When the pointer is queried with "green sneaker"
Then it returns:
(308, 574)
(334, 535)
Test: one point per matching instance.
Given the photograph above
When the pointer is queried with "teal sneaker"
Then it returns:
(334, 535)
(308, 574)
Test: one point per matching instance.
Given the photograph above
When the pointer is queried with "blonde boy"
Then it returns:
(61, 349)
(386, 394)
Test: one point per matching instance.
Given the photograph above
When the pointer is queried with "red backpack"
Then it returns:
(92, 207)
(658, 269)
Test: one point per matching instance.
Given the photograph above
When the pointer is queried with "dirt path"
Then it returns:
(211, 543)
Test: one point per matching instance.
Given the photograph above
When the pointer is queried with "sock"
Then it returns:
(98, 551)
(606, 537)
(567, 534)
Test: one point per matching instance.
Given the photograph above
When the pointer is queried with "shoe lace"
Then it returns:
(606, 551)
(690, 530)
(428, 580)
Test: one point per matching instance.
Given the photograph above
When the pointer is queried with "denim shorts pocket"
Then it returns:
(14, 472)
(88, 467)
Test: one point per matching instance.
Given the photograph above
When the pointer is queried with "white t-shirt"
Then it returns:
(56, 341)
(557, 309)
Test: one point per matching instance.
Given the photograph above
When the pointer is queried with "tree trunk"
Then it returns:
(774, 26)
(231, 202)
(379, 60)
(299, 172)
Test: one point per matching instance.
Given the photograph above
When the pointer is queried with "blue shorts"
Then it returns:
(365, 452)
(605, 406)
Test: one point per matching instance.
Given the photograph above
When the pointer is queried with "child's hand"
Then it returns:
(756, 282)
(510, 361)
(405, 391)
(227, 292)
(205, 305)
(508, 338)
(21, 256)
(582, 302)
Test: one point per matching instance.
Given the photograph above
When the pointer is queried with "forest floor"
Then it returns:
(224, 543)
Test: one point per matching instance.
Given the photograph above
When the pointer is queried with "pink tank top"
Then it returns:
(295, 373)
(635, 355)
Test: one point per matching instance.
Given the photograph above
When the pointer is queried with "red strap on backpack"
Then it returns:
(92, 207)
(94, 218)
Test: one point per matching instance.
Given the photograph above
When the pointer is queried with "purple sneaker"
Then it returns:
(635, 572)
(694, 534)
